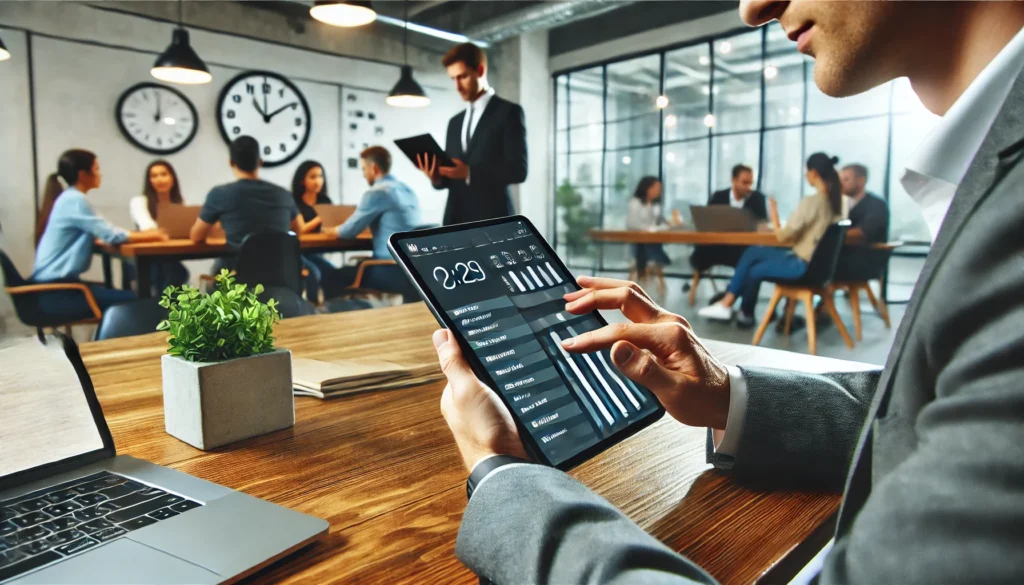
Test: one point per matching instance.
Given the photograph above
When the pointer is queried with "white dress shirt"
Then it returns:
(138, 207)
(931, 179)
(472, 118)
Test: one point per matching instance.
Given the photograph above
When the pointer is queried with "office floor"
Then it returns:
(872, 349)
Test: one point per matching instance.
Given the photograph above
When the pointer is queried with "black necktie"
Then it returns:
(469, 126)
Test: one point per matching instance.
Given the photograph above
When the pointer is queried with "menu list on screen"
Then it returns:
(504, 295)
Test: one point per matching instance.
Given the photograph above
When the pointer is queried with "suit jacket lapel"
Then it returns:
(456, 127)
(1006, 130)
(485, 118)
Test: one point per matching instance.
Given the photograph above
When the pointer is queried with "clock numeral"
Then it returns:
(266, 150)
(249, 88)
(295, 106)
(159, 141)
(236, 130)
(147, 136)
(129, 114)
(295, 136)
(236, 98)
(266, 88)
(179, 135)
(145, 95)
(284, 148)
(298, 121)
(185, 120)
(280, 92)
(231, 114)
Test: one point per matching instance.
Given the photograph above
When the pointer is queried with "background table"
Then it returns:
(179, 250)
(383, 469)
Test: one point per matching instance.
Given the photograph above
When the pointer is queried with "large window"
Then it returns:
(689, 114)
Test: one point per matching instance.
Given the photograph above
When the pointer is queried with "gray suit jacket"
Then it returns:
(930, 450)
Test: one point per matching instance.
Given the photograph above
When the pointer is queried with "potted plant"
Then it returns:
(223, 380)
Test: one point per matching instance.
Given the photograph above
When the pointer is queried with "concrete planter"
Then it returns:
(208, 405)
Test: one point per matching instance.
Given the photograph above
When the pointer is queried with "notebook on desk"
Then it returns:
(343, 377)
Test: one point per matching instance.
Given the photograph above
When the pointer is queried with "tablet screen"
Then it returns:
(501, 289)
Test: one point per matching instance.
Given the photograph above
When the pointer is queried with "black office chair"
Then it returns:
(858, 266)
(46, 305)
(289, 303)
(270, 259)
(817, 280)
(127, 319)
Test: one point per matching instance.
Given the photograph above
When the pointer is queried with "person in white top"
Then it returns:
(645, 213)
(160, 186)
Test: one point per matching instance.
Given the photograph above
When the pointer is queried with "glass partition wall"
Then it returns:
(688, 114)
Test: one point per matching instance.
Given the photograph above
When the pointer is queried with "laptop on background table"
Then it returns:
(722, 218)
(177, 220)
(334, 215)
(73, 511)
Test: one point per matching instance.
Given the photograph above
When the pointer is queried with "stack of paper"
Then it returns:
(344, 377)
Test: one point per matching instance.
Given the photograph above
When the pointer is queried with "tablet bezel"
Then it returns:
(397, 248)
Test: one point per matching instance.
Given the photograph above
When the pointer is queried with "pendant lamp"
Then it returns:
(180, 63)
(4, 53)
(347, 13)
(407, 93)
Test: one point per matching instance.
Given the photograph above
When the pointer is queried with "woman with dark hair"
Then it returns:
(309, 188)
(67, 227)
(160, 186)
(644, 213)
(803, 229)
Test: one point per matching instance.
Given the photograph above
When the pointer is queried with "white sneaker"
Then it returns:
(716, 312)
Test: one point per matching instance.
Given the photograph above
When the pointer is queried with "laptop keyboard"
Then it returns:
(52, 524)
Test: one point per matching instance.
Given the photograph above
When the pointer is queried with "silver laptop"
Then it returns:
(722, 218)
(177, 220)
(73, 511)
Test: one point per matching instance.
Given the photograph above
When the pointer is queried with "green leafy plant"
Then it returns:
(578, 219)
(229, 323)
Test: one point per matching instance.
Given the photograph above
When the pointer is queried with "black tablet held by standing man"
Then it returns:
(486, 142)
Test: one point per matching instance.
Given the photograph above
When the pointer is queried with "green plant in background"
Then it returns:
(229, 323)
(577, 216)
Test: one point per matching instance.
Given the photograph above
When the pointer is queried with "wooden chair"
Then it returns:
(854, 278)
(697, 276)
(817, 280)
(28, 300)
(657, 270)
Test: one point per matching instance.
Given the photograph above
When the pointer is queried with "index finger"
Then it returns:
(633, 304)
(597, 283)
(659, 339)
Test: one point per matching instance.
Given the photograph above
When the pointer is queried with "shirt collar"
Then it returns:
(945, 155)
(481, 102)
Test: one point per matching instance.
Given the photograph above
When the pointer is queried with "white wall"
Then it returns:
(536, 194)
(77, 84)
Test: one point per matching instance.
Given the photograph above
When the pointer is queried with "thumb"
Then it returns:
(449, 355)
(641, 367)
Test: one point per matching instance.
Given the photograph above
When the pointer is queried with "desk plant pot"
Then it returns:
(223, 379)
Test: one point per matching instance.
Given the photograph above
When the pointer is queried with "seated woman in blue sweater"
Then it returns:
(67, 227)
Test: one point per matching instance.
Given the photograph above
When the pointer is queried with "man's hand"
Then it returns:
(428, 164)
(479, 420)
(459, 172)
(658, 350)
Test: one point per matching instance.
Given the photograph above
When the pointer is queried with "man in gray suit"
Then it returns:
(929, 451)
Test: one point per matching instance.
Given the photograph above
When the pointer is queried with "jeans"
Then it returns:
(644, 253)
(760, 263)
(317, 266)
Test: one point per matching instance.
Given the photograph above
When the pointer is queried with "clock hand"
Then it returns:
(279, 110)
(265, 107)
(157, 118)
(256, 105)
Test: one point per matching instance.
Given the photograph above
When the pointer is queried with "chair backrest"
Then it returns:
(127, 319)
(822, 266)
(270, 259)
(11, 275)
(289, 303)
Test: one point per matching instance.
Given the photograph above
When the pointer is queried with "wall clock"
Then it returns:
(269, 108)
(156, 118)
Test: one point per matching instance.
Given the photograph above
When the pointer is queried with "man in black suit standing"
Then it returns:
(742, 196)
(487, 143)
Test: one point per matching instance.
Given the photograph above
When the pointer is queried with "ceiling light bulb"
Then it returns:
(627, 159)
(704, 60)
(709, 120)
(725, 47)
(670, 156)
(771, 72)
(180, 63)
(661, 102)
(671, 121)
(4, 53)
(347, 14)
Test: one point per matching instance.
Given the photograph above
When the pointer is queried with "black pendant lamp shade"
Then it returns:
(349, 13)
(4, 53)
(407, 93)
(180, 63)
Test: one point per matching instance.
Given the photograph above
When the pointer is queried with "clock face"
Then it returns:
(269, 108)
(156, 118)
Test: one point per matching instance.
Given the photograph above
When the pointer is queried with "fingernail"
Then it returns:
(622, 354)
(440, 337)
(570, 305)
(569, 342)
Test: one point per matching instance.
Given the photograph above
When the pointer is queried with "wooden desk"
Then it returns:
(383, 469)
(704, 238)
(178, 250)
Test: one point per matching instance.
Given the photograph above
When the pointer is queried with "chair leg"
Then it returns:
(879, 306)
(830, 306)
(776, 296)
(693, 287)
(812, 328)
(790, 308)
(659, 273)
(854, 297)
(67, 330)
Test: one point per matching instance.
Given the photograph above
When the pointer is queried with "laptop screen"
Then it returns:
(44, 414)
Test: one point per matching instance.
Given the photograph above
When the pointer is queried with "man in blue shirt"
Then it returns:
(389, 206)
